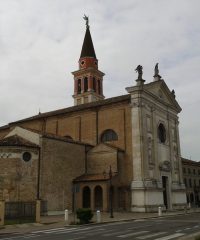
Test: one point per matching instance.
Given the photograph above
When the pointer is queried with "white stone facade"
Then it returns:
(157, 171)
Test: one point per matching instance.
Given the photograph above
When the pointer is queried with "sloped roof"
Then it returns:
(15, 140)
(75, 108)
(56, 137)
(88, 48)
(190, 162)
(91, 177)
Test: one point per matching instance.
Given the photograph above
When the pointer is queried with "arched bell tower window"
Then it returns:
(99, 87)
(161, 133)
(79, 85)
(85, 84)
(109, 135)
(94, 84)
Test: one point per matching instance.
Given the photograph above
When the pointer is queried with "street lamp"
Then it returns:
(111, 193)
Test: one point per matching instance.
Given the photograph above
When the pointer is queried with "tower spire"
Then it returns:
(88, 47)
(88, 80)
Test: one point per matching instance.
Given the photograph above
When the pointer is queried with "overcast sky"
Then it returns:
(41, 40)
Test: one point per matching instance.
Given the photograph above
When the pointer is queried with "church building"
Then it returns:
(122, 151)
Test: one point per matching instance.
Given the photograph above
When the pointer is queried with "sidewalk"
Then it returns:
(59, 222)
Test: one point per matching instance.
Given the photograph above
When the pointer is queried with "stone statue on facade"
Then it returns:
(139, 71)
(156, 73)
(156, 70)
(173, 93)
(86, 18)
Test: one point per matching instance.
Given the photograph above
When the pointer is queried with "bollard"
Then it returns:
(159, 211)
(189, 205)
(66, 215)
(98, 216)
(38, 207)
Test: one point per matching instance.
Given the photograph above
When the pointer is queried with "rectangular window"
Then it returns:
(198, 172)
(189, 171)
(194, 182)
(184, 170)
(185, 181)
(190, 183)
(194, 171)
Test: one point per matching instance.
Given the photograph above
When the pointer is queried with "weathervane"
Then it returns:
(86, 18)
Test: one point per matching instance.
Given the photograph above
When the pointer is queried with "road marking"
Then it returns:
(57, 230)
(53, 229)
(187, 229)
(31, 236)
(151, 235)
(130, 228)
(9, 238)
(196, 226)
(115, 233)
(132, 234)
(76, 238)
(91, 233)
(170, 236)
(140, 220)
(179, 230)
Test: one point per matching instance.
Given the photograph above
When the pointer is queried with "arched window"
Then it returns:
(161, 133)
(86, 197)
(94, 84)
(98, 197)
(79, 85)
(99, 87)
(109, 135)
(85, 84)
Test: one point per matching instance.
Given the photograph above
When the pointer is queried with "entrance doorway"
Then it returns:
(165, 190)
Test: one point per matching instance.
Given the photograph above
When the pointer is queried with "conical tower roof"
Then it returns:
(87, 48)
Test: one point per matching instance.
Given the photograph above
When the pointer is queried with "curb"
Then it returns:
(31, 225)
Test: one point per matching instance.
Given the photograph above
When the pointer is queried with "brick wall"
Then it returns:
(61, 162)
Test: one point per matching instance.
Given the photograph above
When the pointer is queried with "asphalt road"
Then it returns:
(151, 229)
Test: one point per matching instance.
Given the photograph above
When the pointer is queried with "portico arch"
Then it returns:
(98, 197)
(86, 197)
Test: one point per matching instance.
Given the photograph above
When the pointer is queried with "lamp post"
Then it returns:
(111, 193)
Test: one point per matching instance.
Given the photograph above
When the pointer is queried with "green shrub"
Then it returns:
(84, 215)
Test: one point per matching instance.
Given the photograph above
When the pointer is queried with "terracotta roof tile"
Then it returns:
(77, 108)
(93, 177)
(190, 162)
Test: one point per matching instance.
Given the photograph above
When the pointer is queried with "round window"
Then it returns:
(26, 156)
(161, 133)
(82, 62)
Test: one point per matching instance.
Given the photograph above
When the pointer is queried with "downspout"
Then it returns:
(97, 127)
(38, 176)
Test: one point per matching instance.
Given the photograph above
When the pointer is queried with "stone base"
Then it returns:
(147, 196)
(179, 200)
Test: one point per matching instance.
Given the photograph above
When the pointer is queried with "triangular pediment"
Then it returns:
(160, 90)
(25, 134)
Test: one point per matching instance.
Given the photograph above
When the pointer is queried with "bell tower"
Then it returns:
(88, 80)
